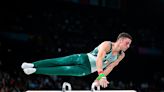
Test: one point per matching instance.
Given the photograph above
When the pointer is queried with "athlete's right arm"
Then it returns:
(103, 48)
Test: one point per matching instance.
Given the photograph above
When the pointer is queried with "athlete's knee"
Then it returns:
(77, 71)
(84, 72)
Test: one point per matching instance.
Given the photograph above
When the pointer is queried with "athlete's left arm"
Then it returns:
(103, 81)
(112, 65)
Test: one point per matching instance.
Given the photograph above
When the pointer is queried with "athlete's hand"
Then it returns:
(96, 82)
(103, 82)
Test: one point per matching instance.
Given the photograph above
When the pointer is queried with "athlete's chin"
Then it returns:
(124, 50)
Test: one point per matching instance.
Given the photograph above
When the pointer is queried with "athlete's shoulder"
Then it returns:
(106, 45)
(107, 42)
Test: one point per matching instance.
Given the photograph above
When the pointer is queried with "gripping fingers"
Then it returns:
(104, 83)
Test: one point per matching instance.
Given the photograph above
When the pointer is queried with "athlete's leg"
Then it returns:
(78, 70)
(75, 59)
(73, 65)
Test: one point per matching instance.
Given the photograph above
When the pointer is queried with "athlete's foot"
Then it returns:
(27, 65)
(29, 71)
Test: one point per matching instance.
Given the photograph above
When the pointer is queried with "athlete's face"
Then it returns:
(125, 43)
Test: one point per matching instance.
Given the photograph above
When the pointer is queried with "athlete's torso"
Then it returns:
(109, 58)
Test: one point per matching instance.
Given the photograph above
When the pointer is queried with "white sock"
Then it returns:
(27, 65)
(29, 71)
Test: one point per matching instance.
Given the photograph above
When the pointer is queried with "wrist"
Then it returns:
(99, 72)
(101, 75)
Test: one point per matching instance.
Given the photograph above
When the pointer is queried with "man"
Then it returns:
(102, 59)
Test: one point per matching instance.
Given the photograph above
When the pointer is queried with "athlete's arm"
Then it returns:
(103, 81)
(103, 48)
(112, 65)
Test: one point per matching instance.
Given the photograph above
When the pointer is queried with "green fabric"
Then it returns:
(100, 76)
(72, 65)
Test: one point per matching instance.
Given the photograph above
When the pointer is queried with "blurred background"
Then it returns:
(43, 30)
